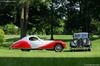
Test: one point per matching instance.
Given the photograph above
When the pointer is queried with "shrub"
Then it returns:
(1, 36)
(11, 29)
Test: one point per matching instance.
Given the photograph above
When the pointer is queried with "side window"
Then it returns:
(33, 38)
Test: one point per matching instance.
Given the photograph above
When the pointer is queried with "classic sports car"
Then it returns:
(34, 42)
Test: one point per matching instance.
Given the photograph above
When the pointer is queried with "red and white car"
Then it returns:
(34, 42)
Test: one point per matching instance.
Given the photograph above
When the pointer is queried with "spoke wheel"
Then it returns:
(58, 48)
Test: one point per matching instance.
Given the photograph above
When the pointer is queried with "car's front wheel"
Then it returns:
(58, 48)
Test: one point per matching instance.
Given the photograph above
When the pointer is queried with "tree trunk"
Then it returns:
(24, 20)
(51, 32)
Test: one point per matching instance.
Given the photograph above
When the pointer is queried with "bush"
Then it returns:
(11, 29)
(1, 36)
(91, 35)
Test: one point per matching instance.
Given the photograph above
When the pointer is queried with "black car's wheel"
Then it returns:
(25, 49)
(58, 48)
(89, 49)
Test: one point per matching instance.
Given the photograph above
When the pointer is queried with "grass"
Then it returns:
(13, 57)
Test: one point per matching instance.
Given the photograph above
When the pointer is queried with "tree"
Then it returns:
(80, 14)
(7, 11)
(24, 14)
(43, 17)
(23, 4)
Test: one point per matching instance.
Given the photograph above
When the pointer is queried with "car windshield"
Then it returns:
(80, 35)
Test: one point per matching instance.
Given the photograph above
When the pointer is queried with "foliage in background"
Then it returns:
(95, 27)
(11, 29)
(1, 36)
(78, 15)
(7, 12)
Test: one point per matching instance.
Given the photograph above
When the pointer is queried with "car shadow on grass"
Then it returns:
(49, 61)
(76, 51)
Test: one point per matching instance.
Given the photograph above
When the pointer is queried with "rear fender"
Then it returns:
(22, 44)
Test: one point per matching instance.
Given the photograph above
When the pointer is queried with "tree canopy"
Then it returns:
(42, 15)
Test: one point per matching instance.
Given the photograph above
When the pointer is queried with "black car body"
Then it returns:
(80, 41)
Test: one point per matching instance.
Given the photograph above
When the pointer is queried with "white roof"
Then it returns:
(27, 37)
(81, 35)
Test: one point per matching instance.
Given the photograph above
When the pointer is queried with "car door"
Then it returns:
(35, 42)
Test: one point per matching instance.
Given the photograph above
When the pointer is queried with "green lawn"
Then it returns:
(13, 57)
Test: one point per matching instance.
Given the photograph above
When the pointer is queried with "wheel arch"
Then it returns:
(59, 44)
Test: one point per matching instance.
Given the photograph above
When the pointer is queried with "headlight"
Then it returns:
(75, 41)
(84, 40)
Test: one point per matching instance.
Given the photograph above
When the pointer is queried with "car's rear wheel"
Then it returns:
(58, 48)
(25, 49)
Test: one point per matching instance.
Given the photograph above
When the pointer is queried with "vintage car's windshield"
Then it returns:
(80, 35)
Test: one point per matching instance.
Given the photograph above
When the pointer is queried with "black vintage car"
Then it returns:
(80, 41)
